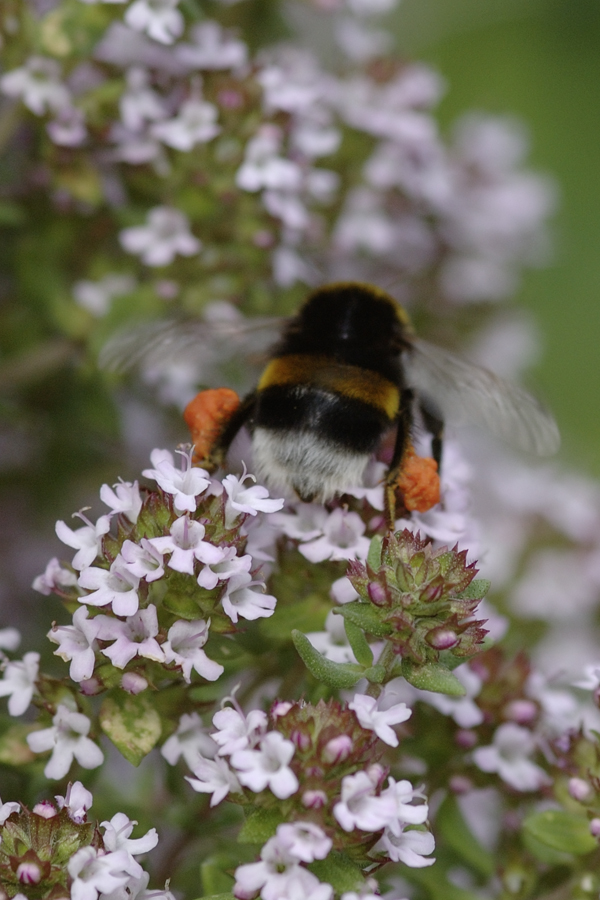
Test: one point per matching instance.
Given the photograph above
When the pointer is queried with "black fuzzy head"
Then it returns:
(353, 323)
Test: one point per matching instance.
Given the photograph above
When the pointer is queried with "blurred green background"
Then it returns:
(540, 60)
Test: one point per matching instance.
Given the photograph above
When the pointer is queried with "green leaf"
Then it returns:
(375, 674)
(182, 604)
(458, 835)
(562, 830)
(336, 675)
(476, 590)
(366, 617)
(358, 642)
(374, 554)
(339, 871)
(131, 723)
(432, 677)
(260, 825)
(434, 881)
(305, 615)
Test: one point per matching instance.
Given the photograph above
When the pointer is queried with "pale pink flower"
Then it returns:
(116, 586)
(244, 597)
(267, 766)
(360, 808)
(184, 648)
(77, 643)
(134, 637)
(235, 731)
(54, 577)
(509, 754)
(213, 776)
(343, 538)
(190, 741)
(212, 48)
(68, 739)
(124, 497)
(18, 683)
(166, 234)
(76, 801)
(378, 720)
(186, 544)
(87, 540)
(160, 19)
(184, 484)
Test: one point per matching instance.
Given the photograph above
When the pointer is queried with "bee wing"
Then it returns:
(465, 392)
(209, 346)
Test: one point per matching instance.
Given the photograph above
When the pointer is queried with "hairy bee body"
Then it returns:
(331, 391)
(346, 370)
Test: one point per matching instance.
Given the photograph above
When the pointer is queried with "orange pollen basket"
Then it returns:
(419, 482)
(205, 416)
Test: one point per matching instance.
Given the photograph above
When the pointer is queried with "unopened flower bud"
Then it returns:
(29, 873)
(376, 774)
(281, 708)
(465, 739)
(442, 638)
(579, 789)
(45, 809)
(314, 799)
(376, 593)
(595, 827)
(91, 686)
(337, 749)
(460, 784)
(521, 711)
(300, 739)
(133, 683)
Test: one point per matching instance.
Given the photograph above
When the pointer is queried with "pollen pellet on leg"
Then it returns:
(206, 415)
(419, 482)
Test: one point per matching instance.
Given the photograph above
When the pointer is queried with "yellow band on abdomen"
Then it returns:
(325, 373)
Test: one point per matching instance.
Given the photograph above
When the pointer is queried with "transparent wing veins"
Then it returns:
(187, 340)
(465, 392)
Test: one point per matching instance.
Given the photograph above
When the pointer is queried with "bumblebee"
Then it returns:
(346, 371)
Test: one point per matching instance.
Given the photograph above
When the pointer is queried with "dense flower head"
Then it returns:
(423, 599)
(172, 570)
(53, 849)
(317, 766)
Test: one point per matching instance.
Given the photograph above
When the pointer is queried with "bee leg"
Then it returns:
(231, 428)
(402, 442)
(435, 427)
(214, 417)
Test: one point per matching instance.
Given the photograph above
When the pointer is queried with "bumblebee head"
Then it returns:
(356, 313)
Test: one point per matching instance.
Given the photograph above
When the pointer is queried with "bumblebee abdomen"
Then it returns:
(316, 422)
(305, 373)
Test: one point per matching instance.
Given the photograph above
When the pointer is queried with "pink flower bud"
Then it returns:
(337, 749)
(281, 708)
(91, 686)
(45, 809)
(300, 739)
(595, 828)
(133, 683)
(376, 593)
(521, 711)
(29, 873)
(314, 799)
(442, 638)
(465, 739)
(376, 774)
(460, 784)
(579, 789)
